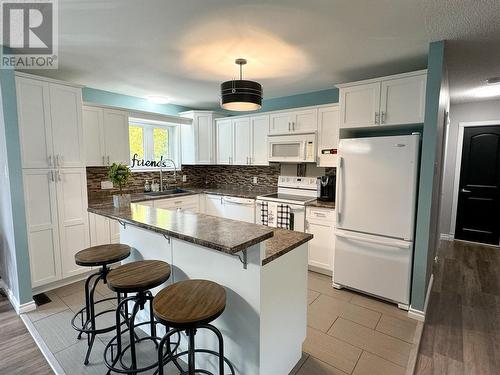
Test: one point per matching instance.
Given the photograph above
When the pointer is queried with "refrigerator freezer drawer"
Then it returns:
(376, 265)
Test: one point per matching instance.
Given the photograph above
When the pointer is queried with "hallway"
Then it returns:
(462, 331)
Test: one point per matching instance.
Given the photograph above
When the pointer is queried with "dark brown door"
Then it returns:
(478, 212)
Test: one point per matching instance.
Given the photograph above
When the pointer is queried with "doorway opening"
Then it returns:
(476, 203)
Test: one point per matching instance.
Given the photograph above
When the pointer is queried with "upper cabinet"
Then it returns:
(50, 124)
(295, 121)
(198, 138)
(328, 135)
(242, 140)
(106, 136)
(393, 100)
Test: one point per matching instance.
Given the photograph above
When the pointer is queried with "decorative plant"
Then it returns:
(119, 174)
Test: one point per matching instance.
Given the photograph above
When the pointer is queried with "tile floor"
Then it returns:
(348, 333)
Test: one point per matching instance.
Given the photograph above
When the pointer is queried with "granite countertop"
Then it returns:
(141, 197)
(228, 236)
(321, 204)
(282, 242)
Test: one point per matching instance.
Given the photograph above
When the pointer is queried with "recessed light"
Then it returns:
(158, 99)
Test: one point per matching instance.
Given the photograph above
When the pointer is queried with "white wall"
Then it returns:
(8, 267)
(477, 111)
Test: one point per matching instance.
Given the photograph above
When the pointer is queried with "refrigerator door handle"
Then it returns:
(338, 203)
(394, 243)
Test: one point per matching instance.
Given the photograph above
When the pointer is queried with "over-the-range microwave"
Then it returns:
(293, 148)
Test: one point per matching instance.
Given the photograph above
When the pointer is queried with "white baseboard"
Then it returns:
(20, 308)
(446, 236)
(61, 283)
(51, 360)
(419, 314)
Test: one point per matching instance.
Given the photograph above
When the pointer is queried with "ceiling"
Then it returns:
(184, 49)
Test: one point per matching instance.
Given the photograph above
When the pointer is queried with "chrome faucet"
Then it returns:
(161, 173)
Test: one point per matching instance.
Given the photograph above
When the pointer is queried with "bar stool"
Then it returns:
(97, 256)
(188, 306)
(136, 277)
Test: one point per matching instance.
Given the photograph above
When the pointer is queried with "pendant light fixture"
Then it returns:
(241, 95)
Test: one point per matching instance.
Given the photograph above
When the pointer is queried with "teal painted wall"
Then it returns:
(292, 101)
(130, 102)
(424, 250)
(8, 90)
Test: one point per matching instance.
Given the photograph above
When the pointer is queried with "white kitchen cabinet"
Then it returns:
(280, 123)
(42, 226)
(224, 141)
(360, 105)
(185, 203)
(67, 128)
(106, 136)
(328, 135)
(242, 136)
(294, 121)
(198, 138)
(73, 219)
(320, 222)
(57, 221)
(213, 205)
(50, 124)
(103, 230)
(392, 100)
(403, 100)
(260, 128)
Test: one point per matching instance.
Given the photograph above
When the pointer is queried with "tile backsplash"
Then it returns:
(197, 176)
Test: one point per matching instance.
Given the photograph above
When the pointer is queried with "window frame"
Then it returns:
(148, 127)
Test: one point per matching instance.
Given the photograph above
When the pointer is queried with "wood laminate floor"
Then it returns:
(462, 331)
(18, 352)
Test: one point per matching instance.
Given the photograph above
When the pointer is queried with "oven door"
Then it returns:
(298, 215)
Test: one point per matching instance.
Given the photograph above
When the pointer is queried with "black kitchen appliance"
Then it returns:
(326, 188)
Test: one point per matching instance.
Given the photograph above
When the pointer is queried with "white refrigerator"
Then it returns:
(376, 203)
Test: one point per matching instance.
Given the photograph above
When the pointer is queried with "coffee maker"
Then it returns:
(326, 188)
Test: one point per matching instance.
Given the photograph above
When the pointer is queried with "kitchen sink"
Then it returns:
(167, 192)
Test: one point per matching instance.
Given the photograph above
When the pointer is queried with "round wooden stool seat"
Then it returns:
(102, 255)
(189, 302)
(138, 276)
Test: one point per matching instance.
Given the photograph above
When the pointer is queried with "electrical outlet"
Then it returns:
(184, 178)
(255, 180)
(106, 185)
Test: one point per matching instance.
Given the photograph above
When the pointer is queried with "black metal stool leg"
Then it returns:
(132, 337)
(191, 332)
(91, 335)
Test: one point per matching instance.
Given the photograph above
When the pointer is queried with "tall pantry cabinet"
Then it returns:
(54, 176)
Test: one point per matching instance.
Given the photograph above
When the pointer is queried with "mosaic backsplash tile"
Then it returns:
(197, 176)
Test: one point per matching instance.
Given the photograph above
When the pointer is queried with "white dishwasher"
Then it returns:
(242, 209)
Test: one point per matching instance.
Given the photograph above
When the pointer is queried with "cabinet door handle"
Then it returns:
(293, 125)
(58, 176)
(51, 176)
(377, 118)
(108, 160)
(57, 160)
(289, 126)
(103, 160)
(50, 160)
(382, 117)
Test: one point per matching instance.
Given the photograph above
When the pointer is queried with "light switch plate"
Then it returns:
(106, 185)
(184, 178)
(255, 180)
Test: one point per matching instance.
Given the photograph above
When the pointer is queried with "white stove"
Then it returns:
(294, 192)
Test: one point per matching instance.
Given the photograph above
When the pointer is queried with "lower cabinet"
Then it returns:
(320, 222)
(103, 231)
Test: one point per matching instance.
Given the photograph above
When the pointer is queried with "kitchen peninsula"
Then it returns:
(264, 272)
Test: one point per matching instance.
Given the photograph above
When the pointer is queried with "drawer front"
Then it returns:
(320, 214)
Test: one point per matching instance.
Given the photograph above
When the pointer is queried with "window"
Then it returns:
(152, 142)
